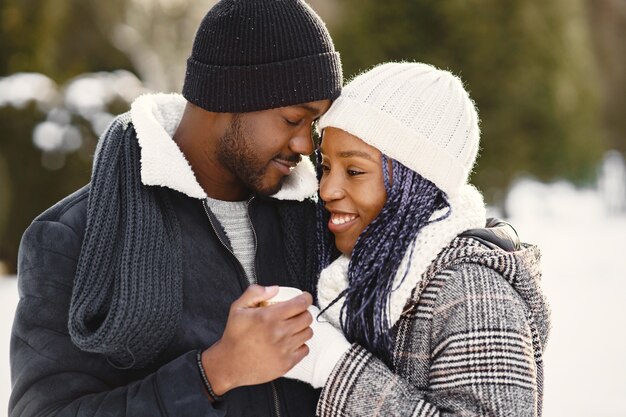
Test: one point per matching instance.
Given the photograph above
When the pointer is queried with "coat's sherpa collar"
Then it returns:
(467, 211)
(156, 117)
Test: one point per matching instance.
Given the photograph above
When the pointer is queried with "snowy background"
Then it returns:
(584, 277)
(581, 234)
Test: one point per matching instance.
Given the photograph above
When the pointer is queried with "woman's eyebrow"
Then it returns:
(359, 154)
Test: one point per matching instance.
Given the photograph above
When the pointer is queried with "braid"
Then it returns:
(326, 249)
(411, 202)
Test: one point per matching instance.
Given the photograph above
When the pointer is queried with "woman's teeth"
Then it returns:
(342, 218)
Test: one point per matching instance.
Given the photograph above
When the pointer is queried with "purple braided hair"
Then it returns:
(411, 202)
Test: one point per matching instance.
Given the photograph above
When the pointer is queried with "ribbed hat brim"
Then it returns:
(234, 89)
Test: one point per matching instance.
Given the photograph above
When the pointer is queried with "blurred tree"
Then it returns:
(608, 26)
(526, 63)
(65, 38)
(59, 38)
(48, 138)
(157, 37)
(33, 188)
(5, 204)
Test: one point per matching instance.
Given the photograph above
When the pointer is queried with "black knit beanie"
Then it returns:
(251, 55)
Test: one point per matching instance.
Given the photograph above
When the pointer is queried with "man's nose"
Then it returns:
(302, 142)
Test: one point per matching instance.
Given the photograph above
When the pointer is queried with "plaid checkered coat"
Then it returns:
(469, 342)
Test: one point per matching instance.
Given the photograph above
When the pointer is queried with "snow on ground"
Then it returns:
(584, 277)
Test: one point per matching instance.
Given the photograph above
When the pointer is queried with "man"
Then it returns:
(135, 295)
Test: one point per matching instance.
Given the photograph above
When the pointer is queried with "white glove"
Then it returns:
(326, 347)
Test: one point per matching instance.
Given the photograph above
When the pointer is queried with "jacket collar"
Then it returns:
(156, 117)
(467, 211)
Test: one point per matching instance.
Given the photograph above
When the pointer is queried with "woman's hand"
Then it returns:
(326, 348)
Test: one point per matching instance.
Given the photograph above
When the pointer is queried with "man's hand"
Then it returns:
(259, 344)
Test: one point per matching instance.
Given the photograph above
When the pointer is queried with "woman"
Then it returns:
(442, 316)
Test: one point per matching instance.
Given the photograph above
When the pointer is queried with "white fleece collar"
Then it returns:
(156, 117)
(467, 211)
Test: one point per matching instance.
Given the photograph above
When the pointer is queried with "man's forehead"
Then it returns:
(308, 107)
(315, 108)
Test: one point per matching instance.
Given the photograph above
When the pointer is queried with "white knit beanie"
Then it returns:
(416, 114)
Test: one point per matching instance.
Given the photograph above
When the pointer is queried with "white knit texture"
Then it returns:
(416, 114)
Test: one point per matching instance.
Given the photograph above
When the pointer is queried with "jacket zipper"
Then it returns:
(276, 402)
(206, 210)
(241, 270)
(274, 390)
(255, 240)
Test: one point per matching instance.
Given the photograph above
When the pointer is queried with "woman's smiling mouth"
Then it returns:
(341, 221)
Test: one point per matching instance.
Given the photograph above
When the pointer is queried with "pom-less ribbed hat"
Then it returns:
(416, 114)
(251, 55)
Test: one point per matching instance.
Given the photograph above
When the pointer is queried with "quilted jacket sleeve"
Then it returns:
(479, 356)
(51, 377)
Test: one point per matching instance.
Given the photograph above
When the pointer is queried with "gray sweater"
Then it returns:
(469, 342)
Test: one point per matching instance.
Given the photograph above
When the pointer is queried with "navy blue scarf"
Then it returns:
(127, 295)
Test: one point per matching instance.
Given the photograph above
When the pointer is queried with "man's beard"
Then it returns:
(235, 154)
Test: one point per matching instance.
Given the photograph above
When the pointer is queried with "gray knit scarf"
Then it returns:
(127, 295)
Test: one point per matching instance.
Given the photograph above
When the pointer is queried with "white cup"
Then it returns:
(284, 294)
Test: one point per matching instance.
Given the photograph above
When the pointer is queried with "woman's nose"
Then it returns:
(330, 188)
